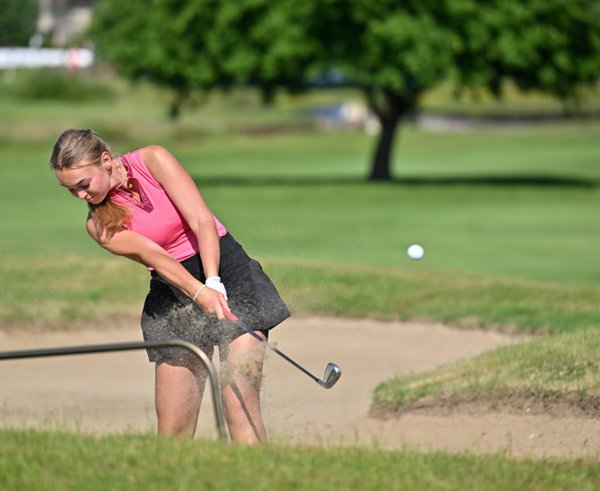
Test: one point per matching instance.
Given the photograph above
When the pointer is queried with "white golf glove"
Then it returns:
(214, 282)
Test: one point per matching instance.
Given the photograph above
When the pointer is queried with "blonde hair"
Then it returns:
(70, 150)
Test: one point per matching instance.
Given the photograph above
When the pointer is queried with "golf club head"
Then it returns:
(332, 375)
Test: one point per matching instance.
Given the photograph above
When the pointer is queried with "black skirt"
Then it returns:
(170, 314)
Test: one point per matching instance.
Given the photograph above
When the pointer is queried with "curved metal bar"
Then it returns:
(135, 345)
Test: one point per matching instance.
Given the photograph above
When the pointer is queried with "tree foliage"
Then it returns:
(164, 41)
(17, 21)
(551, 46)
(393, 50)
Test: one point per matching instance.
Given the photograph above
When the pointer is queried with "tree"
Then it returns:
(17, 22)
(163, 41)
(393, 50)
(551, 46)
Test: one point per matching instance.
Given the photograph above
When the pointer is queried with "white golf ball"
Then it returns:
(415, 251)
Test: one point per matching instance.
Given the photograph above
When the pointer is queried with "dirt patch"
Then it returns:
(113, 393)
(521, 402)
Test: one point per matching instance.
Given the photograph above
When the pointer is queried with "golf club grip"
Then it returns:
(233, 318)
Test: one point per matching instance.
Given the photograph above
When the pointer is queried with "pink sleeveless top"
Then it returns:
(155, 216)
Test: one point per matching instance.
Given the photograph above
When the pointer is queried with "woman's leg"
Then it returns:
(242, 364)
(178, 393)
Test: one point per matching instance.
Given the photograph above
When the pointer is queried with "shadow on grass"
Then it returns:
(500, 181)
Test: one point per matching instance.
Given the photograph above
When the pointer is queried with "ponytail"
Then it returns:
(109, 217)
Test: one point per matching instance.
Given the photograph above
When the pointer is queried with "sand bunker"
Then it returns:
(113, 393)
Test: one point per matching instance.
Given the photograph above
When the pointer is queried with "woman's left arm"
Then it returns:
(184, 193)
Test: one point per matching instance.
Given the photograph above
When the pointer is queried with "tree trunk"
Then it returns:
(174, 110)
(180, 97)
(381, 169)
(390, 108)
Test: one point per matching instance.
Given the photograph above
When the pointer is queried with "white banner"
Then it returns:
(74, 58)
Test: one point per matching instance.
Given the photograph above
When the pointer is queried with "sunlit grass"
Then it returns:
(39, 461)
(46, 292)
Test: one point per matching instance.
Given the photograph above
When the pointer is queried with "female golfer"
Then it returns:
(143, 205)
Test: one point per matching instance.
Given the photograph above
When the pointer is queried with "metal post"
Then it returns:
(135, 345)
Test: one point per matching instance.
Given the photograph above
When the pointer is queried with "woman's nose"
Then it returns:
(82, 194)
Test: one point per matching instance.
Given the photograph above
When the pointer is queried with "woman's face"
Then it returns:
(87, 181)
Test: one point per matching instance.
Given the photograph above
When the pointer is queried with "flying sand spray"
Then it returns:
(332, 371)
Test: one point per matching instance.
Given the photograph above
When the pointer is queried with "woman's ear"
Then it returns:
(107, 162)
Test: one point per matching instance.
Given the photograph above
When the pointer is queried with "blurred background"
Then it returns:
(328, 136)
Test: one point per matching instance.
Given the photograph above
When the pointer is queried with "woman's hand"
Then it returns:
(211, 301)
(214, 282)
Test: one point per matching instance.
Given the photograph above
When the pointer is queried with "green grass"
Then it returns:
(527, 232)
(36, 461)
(83, 290)
(75, 291)
(469, 300)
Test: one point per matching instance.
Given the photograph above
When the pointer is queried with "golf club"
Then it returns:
(332, 371)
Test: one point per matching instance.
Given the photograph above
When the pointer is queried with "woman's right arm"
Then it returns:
(138, 248)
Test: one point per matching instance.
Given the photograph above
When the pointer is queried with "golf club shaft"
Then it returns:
(250, 331)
